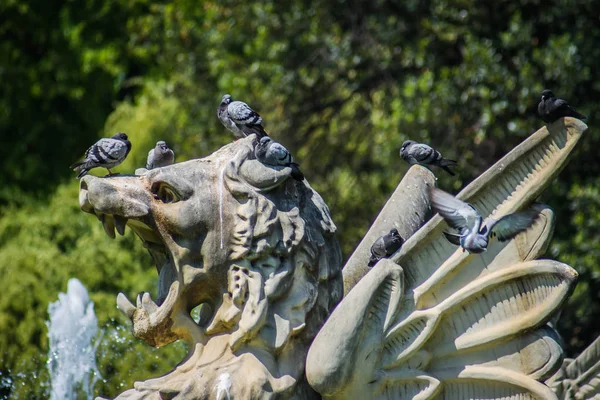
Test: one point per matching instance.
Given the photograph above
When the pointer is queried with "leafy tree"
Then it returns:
(341, 84)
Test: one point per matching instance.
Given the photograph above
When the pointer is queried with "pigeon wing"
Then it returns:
(422, 152)
(378, 248)
(511, 225)
(559, 104)
(150, 160)
(452, 238)
(458, 214)
(96, 154)
(277, 154)
(242, 114)
(115, 150)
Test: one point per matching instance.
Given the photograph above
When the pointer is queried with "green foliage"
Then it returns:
(341, 84)
(62, 67)
(45, 245)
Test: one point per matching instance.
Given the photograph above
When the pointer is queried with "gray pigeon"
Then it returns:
(269, 152)
(225, 119)
(106, 153)
(160, 156)
(239, 118)
(473, 234)
(550, 108)
(385, 246)
(419, 153)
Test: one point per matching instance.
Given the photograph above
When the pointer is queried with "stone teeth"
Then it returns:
(125, 305)
(148, 304)
(120, 223)
(109, 226)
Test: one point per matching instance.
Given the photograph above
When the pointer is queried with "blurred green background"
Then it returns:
(340, 83)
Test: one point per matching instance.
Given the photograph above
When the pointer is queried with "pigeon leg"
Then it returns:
(109, 172)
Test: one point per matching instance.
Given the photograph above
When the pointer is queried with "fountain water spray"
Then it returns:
(72, 328)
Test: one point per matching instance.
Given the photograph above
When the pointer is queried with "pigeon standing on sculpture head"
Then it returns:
(160, 156)
(473, 236)
(106, 153)
(419, 153)
(269, 152)
(239, 118)
(551, 108)
(385, 246)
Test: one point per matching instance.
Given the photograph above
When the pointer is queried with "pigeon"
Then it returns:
(269, 152)
(239, 118)
(385, 246)
(106, 153)
(473, 233)
(160, 156)
(419, 153)
(550, 108)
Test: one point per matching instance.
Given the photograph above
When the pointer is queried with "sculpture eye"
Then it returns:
(165, 192)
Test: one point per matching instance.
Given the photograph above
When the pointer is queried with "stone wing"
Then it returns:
(436, 322)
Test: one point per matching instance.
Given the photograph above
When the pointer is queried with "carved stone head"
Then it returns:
(254, 248)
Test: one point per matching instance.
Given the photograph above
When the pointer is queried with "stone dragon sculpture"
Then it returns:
(257, 251)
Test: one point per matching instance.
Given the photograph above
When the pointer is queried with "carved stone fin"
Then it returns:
(491, 383)
(501, 305)
(356, 327)
(408, 384)
(407, 337)
(536, 354)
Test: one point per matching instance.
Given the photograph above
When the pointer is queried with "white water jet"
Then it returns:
(223, 385)
(72, 328)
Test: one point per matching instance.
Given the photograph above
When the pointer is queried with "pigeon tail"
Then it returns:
(77, 165)
(82, 172)
(296, 173)
(81, 167)
(372, 261)
(256, 129)
(445, 164)
(577, 115)
(260, 132)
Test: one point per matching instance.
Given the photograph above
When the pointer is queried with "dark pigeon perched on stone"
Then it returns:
(106, 153)
(419, 153)
(239, 118)
(473, 235)
(160, 156)
(385, 246)
(269, 152)
(551, 108)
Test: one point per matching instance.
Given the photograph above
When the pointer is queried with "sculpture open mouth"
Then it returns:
(116, 207)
